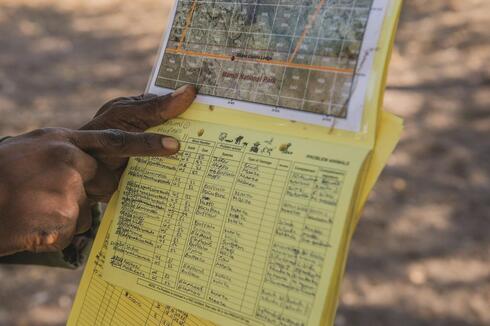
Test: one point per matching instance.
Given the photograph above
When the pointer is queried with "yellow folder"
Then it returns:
(100, 303)
(250, 224)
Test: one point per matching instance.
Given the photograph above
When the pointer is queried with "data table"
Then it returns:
(222, 224)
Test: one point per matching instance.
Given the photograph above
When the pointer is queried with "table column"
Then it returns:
(144, 202)
(200, 250)
(265, 234)
(166, 216)
(240, 235)
(282, 290)
(191, 175)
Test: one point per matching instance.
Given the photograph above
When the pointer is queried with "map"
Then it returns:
(299, 55)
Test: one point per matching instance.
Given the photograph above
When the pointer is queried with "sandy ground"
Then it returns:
(421, 255)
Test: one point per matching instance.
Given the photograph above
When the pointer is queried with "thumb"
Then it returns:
(118, 143)
(159, 109)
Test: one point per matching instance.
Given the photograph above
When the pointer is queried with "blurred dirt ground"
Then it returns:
(421, 255)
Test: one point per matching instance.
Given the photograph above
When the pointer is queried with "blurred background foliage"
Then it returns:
(421, 255)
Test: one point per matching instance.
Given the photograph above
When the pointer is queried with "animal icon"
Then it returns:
(255, 147)
(285, 148)
(267, 150)
(223, 136)
(238, 140)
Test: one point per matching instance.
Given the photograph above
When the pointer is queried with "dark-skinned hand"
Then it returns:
(49, 178)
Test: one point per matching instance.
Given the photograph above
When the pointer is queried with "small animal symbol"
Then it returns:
(267, 150)
(223, 136)
(238, 140)
(284, 148)
(255, 148)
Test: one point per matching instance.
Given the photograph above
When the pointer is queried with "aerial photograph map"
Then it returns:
(299, 55)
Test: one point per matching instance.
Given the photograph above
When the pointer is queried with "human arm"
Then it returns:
(50, 178)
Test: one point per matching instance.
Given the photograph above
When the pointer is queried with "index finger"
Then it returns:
(121, 144)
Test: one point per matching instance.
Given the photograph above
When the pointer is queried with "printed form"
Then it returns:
(241, 225)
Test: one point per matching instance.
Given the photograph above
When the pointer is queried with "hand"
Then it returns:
(45, 175)
(135, 114)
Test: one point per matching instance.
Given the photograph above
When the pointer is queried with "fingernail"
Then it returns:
(181, 90)
(170, 143)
